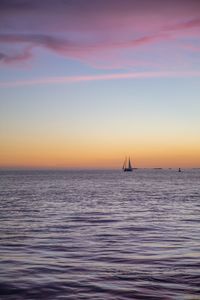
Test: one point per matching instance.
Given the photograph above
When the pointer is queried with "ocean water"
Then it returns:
(100, 235)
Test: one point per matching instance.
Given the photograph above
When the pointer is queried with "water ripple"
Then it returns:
(100, 235)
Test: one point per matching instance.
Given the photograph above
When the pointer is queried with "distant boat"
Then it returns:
(127, 167)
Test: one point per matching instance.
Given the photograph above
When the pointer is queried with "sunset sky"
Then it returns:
(83, 83)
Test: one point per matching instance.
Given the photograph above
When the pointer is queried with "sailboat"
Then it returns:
(127, 167)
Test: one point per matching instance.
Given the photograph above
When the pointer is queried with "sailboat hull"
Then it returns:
(128, 170)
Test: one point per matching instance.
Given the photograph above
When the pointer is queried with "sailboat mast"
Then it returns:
(129, 163)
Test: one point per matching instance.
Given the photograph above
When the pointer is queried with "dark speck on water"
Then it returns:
(100, 235)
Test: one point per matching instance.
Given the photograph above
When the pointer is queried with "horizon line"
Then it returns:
(89, 168)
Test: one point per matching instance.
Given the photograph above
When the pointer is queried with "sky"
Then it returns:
(84, 83)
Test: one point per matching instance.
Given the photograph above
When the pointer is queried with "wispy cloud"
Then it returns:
(70, 48)
(102, 77)
(190, 24)
(79, 29)
(24, 55)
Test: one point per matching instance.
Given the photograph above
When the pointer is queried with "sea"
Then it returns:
(100, 234)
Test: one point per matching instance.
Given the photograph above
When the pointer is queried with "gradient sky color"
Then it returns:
(83, 83)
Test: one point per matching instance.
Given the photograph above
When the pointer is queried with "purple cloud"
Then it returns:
(16, 58)
(83, 29)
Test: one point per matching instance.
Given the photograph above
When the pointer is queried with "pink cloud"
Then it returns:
(91, 29)
(71, 49)
(190, 24)
(102, 77)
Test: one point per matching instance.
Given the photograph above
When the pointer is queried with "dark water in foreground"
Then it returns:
(100, 235)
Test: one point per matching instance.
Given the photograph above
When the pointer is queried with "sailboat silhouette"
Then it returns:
(127, 167)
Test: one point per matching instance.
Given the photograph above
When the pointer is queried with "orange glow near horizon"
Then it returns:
(101, 154)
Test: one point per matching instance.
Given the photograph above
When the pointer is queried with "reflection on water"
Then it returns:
(100, 235)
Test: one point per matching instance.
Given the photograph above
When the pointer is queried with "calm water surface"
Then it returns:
(100, 235)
